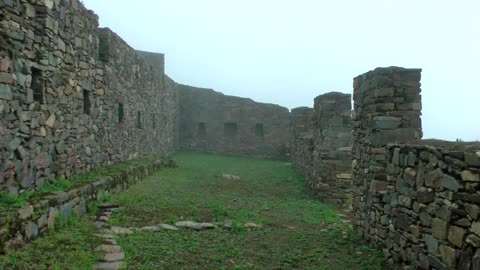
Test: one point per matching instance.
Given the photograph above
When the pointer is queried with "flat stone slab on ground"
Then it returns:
(168, 227)
(150, 229)
(110, 266)
(99, 225)
(110, 241)
(188, 224)
(121, 230)
(105, 235)
(252, 225)
(230, 177)
(114, 257)
(206, 225)
(109, 248)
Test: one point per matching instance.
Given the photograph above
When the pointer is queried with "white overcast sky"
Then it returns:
(288, 52)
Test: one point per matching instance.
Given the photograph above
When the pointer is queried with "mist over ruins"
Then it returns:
(76, 98)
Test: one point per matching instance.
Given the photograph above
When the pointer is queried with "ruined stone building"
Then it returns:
(75, 97)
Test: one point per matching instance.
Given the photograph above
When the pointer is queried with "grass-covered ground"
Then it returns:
(64, 248)
(299, 232)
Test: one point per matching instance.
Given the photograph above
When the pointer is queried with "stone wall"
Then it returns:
(321, 146)
(74, 97)
(418, 200)
(215, 123)
(301, 141)
(302, 122)
(332, 137)
(55, 209)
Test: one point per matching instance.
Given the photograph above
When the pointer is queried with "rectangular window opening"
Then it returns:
(259, 130)
(38, 85)
(139, 119)
(230, 129)
(121, 113)
(86, 102)
(201, 130)
(154, 121)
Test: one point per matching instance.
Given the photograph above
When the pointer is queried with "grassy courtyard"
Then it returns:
(298, 231)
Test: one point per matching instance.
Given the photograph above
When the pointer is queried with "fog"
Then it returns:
(288, 52)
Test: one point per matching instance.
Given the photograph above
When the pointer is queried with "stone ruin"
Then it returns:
(322, 145)
(75, 97)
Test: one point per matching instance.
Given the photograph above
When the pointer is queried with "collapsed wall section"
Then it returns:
(73, 97)
(215, 123)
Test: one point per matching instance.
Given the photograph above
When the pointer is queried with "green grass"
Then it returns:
(9, 202)
(299, 231)
(70, 247)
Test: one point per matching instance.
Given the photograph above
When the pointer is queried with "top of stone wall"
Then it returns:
(334, 95)
(389, 70)
(434, 144)
(207, 91)
(301, 109)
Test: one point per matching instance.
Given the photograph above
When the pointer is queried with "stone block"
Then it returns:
(6, 78)
(451, 183)
(42, 160)
(473, 240)
(476, 260)
(378, 186)
(472, 210)
(439, 228)
(434, 179)
(448, 256)
(456, 236)
(6, 92)
(475, 228)
(444, 212)
(472, 159)
(470, 176)
(432, 244)
(52, 217)
(425, 196)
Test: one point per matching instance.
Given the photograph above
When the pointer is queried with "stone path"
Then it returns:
(114, 255)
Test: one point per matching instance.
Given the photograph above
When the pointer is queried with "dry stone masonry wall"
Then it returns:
(321, 147)
(215, 123)
(301, 144)
(74, 97)
(55, 209)
(419, 202)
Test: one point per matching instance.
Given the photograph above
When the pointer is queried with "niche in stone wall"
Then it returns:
(230, 129)
(154, 121)
(121, 113)
(201, 130)
(259, 130)
(38, 85)
(87, 104)
(139, 119)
